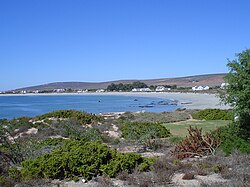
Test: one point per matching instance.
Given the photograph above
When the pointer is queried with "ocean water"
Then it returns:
(33, 105)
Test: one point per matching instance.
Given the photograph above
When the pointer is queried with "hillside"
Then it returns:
(189, 81)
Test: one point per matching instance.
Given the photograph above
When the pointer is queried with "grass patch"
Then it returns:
(180, 128)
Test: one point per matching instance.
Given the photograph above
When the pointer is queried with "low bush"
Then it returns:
(148, 134)
(52, 142)
(72, 129)
(126, 162)
(232, 140)
(213, 114)
(22, 124)
(81, 159)
(84, 117)
(137, 130)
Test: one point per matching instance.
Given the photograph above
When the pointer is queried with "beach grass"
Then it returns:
(180, 128)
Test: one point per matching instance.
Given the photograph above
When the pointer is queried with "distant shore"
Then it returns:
(185, 100)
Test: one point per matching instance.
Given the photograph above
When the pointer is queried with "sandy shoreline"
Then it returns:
(186, 100)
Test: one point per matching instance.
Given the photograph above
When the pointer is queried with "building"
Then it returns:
(206, 88)
(59, 90)
(141, 90)
(100, 90)
(82, 91)
(160, 89)
(200, 88)
(23, 92)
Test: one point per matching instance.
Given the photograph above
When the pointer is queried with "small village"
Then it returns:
(196, 88)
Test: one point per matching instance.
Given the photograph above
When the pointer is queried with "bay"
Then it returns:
(33, 105)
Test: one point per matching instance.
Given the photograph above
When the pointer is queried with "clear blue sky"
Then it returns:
(44, 41)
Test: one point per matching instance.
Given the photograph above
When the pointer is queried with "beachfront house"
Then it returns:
(82, 91)
(200, 88)
(59, 90)
(206, 88)
(160, 89)
(141, 90)
(100, 90)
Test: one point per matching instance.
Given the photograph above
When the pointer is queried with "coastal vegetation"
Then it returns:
(213, 114)
(137, 149)
(136, 131)
(82, 159)
(74, 145)
(84, 117)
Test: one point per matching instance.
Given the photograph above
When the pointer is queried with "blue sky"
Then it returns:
(44, 41)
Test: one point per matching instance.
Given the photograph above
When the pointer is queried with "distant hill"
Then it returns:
(189, 81)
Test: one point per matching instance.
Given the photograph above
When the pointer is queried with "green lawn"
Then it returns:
(180, 128)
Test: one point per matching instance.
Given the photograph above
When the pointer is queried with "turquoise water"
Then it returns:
(17, 106)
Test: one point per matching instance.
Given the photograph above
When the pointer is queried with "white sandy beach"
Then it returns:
(186, 100)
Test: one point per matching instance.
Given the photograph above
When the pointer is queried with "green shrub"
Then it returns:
(126, 162)
(231, 139)
(20, 122)
(14, 174)
(213, 114)
(84, 117)
(52, 141)
(148, 134)
(139, 131)
(79, 158)
(72, 129)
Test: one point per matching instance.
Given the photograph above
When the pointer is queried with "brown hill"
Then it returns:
(210, 80)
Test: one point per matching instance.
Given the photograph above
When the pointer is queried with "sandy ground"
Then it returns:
(186, 100)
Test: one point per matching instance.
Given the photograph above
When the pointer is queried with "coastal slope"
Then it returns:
(210, 80)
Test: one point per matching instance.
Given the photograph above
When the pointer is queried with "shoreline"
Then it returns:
(185, 100)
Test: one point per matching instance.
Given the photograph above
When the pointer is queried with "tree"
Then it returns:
(237, 92)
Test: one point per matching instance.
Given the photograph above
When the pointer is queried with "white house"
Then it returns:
(200, 88)
(146, 90)
(206, 88)
(100, 90)
(59, 90)
(82, 91)
(141, 90)
(160, 89)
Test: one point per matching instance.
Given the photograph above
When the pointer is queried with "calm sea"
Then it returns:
(17, 106)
